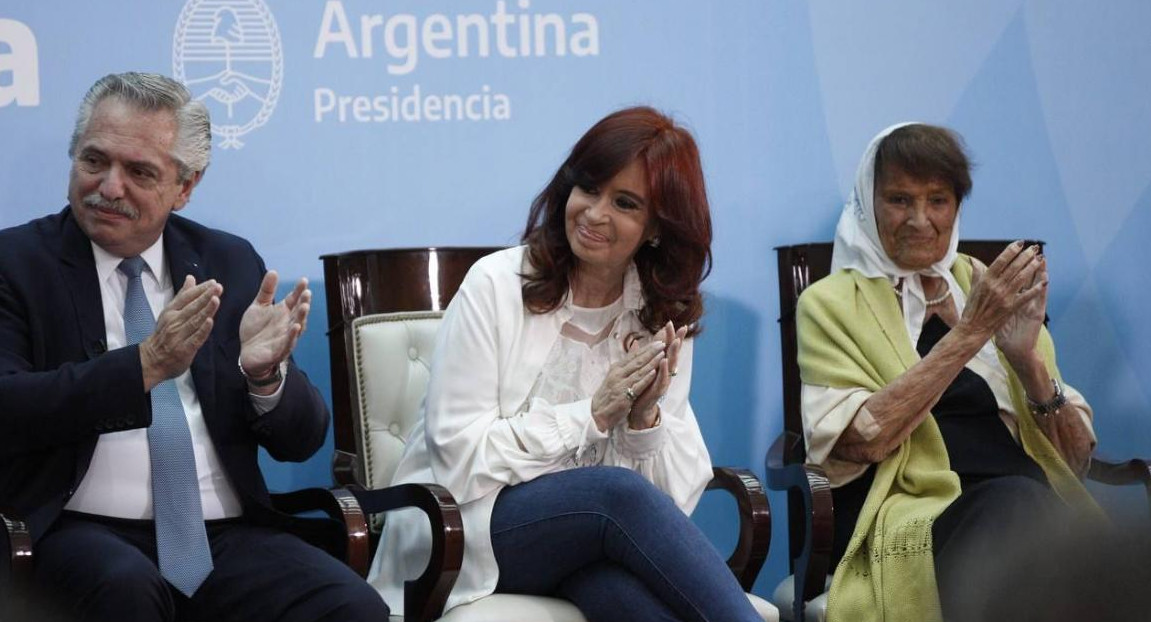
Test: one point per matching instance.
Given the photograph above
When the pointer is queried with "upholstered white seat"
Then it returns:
(392, 354)
(514, 608)
(814, 611)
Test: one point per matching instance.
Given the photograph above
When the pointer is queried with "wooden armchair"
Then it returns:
(802, 596)
(384, 307)
(383, 311)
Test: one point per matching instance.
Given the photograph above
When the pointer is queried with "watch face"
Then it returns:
(1057, 401)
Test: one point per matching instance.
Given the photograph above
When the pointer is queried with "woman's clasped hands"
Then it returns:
(634, 385)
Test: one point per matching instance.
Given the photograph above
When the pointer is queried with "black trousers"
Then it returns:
(993, 522)
(89, 568)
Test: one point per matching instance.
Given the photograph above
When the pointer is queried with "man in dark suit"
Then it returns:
(116, 313)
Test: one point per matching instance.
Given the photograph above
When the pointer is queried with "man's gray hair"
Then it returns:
(152, 92)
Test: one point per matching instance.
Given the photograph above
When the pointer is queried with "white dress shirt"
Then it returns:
(119, 478)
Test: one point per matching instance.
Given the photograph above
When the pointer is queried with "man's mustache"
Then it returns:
(118, 206)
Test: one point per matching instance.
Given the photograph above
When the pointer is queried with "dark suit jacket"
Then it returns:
(60, 388)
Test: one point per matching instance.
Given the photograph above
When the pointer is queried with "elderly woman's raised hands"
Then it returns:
(1008, 298)
(626, 380)
(1017, 336)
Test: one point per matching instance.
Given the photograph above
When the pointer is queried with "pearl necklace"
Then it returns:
(931, 302)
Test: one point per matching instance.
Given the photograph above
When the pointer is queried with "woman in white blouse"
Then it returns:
(557, 411)
(931, 396)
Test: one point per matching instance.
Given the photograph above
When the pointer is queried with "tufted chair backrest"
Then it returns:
(384, 307)
(391, 357)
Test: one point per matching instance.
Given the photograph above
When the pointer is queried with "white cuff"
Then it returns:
(1086, 414)
(264, 403)
(579, 432)
(865, 424)
(639, 444)
(827, 413)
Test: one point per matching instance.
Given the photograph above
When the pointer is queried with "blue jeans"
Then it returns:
(613, 544)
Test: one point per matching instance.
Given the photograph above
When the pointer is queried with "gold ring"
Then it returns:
(630, 395)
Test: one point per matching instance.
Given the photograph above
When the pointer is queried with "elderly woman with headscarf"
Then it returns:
(930, 391)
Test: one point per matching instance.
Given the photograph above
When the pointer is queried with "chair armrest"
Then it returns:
(754, 521)
(341, 506)
(1134, 471)
(807, 485)
(19, 548)
(346, 469)
(424, 597)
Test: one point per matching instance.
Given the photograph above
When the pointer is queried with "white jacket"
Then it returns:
(479, 431)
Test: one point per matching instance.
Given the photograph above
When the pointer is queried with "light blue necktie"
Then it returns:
(181, 540)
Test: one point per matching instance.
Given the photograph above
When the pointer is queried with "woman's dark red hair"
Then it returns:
(670, 273)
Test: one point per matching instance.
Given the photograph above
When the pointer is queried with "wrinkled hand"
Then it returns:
(646, 407)
(1018, 334)
(183, 326)
(1010, 283)
(269, 330)
(636, 371)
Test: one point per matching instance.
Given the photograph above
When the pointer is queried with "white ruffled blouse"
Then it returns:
(509, 400)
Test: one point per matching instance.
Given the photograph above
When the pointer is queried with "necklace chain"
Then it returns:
(931, 302)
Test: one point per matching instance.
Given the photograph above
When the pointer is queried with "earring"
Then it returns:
(654, 242)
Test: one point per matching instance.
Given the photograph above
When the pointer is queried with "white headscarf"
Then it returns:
(857, 247)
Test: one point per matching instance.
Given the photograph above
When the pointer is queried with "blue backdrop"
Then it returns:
(352, 124)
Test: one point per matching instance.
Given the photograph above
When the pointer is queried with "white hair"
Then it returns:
(151, 91)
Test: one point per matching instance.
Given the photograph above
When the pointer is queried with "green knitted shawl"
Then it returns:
(851, 334)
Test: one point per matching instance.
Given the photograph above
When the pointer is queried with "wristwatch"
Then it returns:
(276, 376)
(1042, 410)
